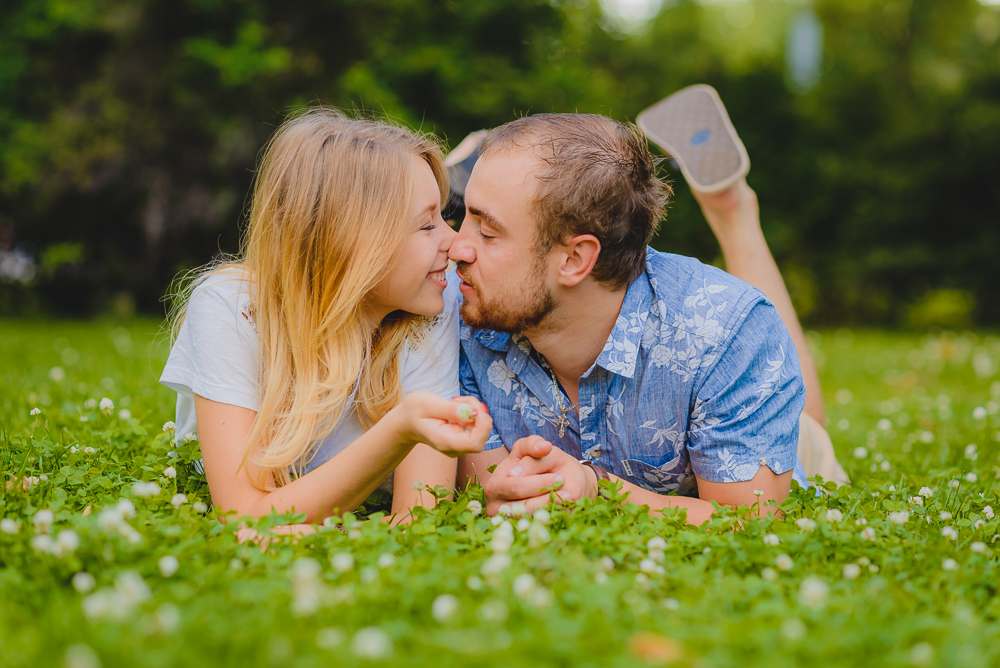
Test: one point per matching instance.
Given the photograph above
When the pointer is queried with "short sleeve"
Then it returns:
(470, 388)
(747, 408)
(215, 354)
(431, 365)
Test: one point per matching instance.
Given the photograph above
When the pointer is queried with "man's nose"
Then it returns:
(461, 247)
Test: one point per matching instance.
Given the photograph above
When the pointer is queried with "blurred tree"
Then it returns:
(129, 128)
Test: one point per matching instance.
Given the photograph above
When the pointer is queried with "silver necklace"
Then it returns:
(562, 421)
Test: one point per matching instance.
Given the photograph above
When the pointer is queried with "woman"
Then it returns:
(311, 369)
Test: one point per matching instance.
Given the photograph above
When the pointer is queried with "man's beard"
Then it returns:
(535, 303)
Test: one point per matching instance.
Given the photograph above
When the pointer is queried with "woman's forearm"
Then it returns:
(345, 481)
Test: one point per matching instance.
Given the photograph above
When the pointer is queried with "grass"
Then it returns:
(840, 583)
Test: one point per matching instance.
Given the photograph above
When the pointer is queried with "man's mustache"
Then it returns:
(458, 270)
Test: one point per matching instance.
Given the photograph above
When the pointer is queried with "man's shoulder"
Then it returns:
(698, 299)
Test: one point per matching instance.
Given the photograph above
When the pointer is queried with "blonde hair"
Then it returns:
(331, 211)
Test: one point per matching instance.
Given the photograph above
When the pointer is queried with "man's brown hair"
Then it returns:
(598, 177)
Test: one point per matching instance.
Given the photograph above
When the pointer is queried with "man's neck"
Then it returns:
(574, 335)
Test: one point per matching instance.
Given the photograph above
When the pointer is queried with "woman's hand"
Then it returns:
(456, 427)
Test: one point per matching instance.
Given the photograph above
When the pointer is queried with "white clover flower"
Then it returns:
(806, 524)
(988, 512)
(949, 564)
(978, 547)
(523, 524)
(950, 533)
(168, 565)
(771, 539)
(885, 466)
(371, 643)
(35, 411)
(600, 577)
(916, 500)
(813, 592)
(538, 535)
(884, 424)
(79, 655)
(978, 413)
(178, 500)
(834, 516)
(465, 412)
(971, 477)
(657, 555)
(758, 493)
(199, 507)
(971, 452)
(954, 484)
(43, 520)
(89, 450)
(496, 520)
(784, 562)
(190, 436)
(647, 566)
(419, 486)
(169, 426)
(342, 562)
(541, 597)
(868, 534)
(57, 374)
(329, 637)
(944, 516)
(475, 507)
(860, 452)
(167, 617)
(73, 449)
(170, 472)
(607, 563)
(860, 522)
(386, 560)
(852, 571)
(518, 509)
(43, 544)
(978, 524)
(523, 585)
(495, 564)
(84, 582)
(445, 606)
(899, 518)
(9, 526)
(106, 405)
(145, 489)
(922, 654)
(90, 404)
(926, 492)
(769, 574)
(124, 414)
(504, 510)
(67, 541)
(656, 543)
(542, 516)
(474, 582)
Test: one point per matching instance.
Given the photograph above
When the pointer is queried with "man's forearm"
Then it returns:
(698, 510)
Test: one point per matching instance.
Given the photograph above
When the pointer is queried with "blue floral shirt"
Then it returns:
(698, 377)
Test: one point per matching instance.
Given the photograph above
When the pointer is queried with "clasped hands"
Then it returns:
(533, 468)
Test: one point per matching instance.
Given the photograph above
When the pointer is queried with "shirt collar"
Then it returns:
(495, 341)
(621, 352)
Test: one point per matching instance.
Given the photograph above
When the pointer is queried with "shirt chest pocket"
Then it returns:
(674, 476)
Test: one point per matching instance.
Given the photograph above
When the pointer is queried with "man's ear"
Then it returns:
(579, 254)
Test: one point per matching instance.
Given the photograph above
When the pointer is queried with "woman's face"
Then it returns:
(417, 281)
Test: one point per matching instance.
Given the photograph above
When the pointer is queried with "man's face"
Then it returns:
(505, 282)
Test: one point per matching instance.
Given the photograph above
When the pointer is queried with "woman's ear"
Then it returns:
(579, 254)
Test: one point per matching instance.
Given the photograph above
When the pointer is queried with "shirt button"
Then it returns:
(763, 461)
(595, 454)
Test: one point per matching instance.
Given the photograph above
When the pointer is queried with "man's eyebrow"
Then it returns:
(487, 216)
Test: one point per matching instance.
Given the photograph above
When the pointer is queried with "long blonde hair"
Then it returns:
(331, 211)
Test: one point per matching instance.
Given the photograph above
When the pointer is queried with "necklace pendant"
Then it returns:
(562, 427)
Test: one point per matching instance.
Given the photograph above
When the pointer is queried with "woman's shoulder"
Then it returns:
(227, 289)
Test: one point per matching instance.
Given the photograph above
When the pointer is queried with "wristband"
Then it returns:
(601, 474)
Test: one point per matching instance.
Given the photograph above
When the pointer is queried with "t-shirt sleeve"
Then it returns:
(746, 411)
(215, 354)
(431, 365)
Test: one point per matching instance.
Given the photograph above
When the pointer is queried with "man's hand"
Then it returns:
(534, 465)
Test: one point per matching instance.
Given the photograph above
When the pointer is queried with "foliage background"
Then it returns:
(129, 129)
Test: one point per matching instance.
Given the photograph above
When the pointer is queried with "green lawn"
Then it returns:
(839, 583)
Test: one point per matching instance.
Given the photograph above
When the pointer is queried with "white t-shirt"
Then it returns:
(215, 356)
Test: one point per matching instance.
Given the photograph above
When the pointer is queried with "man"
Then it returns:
(638, 366)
